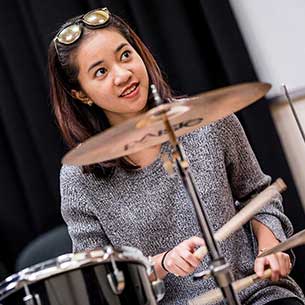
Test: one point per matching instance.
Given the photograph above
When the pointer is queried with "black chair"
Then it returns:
(3, 271)
(48, 245)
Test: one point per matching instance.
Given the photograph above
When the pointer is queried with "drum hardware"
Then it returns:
(147, 129)
(116, 279)
(30, 299)
(164, 123)
(294, 112)
(157, 284)
(202, 275)
(215, 295)
(219, 267)
(244, 215)
(83, 277)
(158, 289)
(155, 114)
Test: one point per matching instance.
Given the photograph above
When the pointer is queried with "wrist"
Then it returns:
(163, 262)
(261, 250)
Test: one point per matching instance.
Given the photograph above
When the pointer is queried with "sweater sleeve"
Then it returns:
(247, 179)
(84, 228)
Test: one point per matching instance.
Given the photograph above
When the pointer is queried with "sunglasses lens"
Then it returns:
(70, 34)
(96, 17)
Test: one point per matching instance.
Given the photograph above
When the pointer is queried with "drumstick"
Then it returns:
(215, 295)
(294, 241)
(243, 216)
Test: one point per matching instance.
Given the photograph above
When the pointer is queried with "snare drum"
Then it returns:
(101, 277)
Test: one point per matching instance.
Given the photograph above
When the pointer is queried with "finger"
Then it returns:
(287, 263)
(176, 264)
(283, 260)
(259, 266)
(275, 267)
(282, 263)
(182, 269)
(194, 242)
(189, 257)
(183, 265)
(177, 271)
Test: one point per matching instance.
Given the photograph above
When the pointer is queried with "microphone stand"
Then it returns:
(220, 269)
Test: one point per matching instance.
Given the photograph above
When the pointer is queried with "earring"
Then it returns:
(88, 102)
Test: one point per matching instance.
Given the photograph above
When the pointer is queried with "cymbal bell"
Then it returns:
(147, 129)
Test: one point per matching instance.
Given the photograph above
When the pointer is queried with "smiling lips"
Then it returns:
(129, 90)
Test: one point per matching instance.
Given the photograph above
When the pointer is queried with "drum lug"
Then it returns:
(159, 289)
(116, 279)
(157, 284)
(30, 299)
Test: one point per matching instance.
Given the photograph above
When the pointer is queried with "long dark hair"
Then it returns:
(78, 121)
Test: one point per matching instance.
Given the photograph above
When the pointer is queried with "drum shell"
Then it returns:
(89, 285)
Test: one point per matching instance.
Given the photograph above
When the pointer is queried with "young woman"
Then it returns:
(100, 73)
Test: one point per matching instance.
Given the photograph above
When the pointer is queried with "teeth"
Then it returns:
(130, 90)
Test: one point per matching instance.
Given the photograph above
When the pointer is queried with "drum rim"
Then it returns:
(69, 262)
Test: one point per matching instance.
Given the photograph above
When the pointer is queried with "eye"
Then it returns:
(125, 55)
(100, 72)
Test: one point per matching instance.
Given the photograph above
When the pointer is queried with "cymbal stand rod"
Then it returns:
(294, 112)
(220, 269)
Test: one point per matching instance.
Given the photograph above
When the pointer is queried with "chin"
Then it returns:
(141, 105)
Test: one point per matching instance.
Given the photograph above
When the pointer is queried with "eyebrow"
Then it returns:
(121, 46)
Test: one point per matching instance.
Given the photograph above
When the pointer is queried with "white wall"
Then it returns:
(274, 32)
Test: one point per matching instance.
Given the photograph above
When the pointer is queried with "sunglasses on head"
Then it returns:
(97, 18)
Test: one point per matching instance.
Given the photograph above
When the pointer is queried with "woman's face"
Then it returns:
(112, 74)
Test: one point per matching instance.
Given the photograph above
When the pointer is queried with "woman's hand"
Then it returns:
(181, 260)
(279, 263)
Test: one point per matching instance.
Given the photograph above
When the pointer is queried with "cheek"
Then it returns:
(142, 68)
(144, 74)
(97, 90)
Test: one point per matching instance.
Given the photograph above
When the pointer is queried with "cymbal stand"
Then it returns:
(220, 269)
(294, 112)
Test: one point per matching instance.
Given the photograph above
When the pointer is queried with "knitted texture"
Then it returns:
(150, 210)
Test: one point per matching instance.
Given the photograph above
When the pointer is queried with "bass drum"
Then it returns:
(101, 277)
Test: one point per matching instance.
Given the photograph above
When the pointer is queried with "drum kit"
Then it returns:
(122, 276)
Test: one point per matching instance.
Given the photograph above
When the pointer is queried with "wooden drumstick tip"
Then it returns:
(201, 252)
(280, 185)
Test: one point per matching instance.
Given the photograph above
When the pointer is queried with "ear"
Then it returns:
(79, 95)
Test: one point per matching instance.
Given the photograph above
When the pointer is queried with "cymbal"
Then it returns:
(295, 240)
(147, 129)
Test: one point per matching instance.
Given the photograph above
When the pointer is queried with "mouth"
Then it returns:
(130, 91)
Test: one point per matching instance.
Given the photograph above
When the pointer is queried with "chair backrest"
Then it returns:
(48, 245)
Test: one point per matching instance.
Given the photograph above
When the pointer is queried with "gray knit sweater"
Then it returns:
(149, 210)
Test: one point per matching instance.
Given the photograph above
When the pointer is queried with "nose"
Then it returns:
(121, 75)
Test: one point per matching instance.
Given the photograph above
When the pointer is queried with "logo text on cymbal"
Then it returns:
(162, 132)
